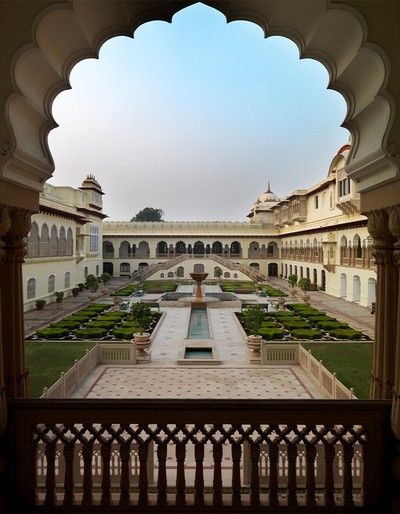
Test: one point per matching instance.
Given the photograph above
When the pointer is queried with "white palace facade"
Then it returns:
(317, 232)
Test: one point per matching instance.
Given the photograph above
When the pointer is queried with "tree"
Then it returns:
(149, 214)
(304, 284)
(253, 317)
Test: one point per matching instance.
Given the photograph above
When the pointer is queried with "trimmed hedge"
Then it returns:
(319, 317)
(52, 333)
(268, 324)
(101, 324)
(342, 333)
(331, 325)
(282, 314)
(91, 333)
(124, 332)
(293, 325)
(273, 291)
(306, 334)
(271, 333)
(70, 325)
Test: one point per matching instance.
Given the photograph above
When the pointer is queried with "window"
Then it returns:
(125, 267)
(67, 279)
(51, 284)
(31, 288)
(316, 202)
(94, 239)
(344, 187)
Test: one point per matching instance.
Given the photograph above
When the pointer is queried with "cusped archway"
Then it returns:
(65, 33)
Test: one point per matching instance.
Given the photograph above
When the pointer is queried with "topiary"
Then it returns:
(292, 325)
(52, 333)
(107, 324)
(331, 325)
(306, 334)
(91, 333)
(271, 333)
(342, 333)
(124, 332)
(70, 325)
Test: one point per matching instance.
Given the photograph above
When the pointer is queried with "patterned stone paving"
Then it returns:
(192, 383)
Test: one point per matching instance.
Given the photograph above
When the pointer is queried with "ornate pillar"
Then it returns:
(12, 330)
(383, 373)
(394, 226)
(5, 223)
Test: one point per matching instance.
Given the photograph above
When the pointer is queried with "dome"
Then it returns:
(268, 196)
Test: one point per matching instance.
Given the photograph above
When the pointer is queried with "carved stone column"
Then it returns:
(12, 337)
(383, 373)
(5, 223)
(394, 226)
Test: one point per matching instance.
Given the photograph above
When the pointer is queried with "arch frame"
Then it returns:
(66, 32)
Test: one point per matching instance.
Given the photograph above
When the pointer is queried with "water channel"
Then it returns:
(198, 324)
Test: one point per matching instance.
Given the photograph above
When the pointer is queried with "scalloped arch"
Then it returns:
(66, 33)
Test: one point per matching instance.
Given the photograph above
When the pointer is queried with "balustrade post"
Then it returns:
(15, 224)
(217, 478)
(162, 473)
(5, 223)
(199, 475)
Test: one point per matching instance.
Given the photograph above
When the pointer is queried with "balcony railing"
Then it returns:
(213, 455)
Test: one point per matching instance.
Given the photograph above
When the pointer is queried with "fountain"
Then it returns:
(199, 278)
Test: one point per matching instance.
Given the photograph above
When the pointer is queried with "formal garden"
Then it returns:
(299, 321)
(96, 321)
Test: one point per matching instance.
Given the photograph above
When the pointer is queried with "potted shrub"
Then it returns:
(59, 296)
(105, 278)
(93, 285)
(292, 281)
(253, 317)
(81, 286)
(305, 285)
(40, 304)
(141, 315)
(75, 291)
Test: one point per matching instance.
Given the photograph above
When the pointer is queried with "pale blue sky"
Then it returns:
(195, 117)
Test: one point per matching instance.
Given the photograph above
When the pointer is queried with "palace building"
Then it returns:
(317, 233)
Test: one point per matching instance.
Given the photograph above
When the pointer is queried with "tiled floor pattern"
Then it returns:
(192, 383)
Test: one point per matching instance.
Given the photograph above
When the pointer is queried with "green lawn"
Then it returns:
(352, 363)
(46, 361)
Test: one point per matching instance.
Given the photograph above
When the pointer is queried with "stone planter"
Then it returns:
(142, 343)
(305, 297)
(116, 301)
(281, 301)
(254, 343)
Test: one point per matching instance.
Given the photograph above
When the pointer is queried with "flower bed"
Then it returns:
(304, 322)
(97, 321)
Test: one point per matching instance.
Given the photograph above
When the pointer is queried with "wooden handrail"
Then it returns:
(351, 434)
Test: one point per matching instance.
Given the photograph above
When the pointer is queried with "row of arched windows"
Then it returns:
(51, 242)
(51, 284)
(308, 250)
(355, 252)
(163, 249)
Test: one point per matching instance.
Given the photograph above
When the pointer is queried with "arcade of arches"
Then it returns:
(357, 41)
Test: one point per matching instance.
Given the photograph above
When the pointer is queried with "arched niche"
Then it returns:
(66, 32)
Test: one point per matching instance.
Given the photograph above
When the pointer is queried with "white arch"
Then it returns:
(343, 285)
(65, 33)
(371, 291)
(356, 288)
